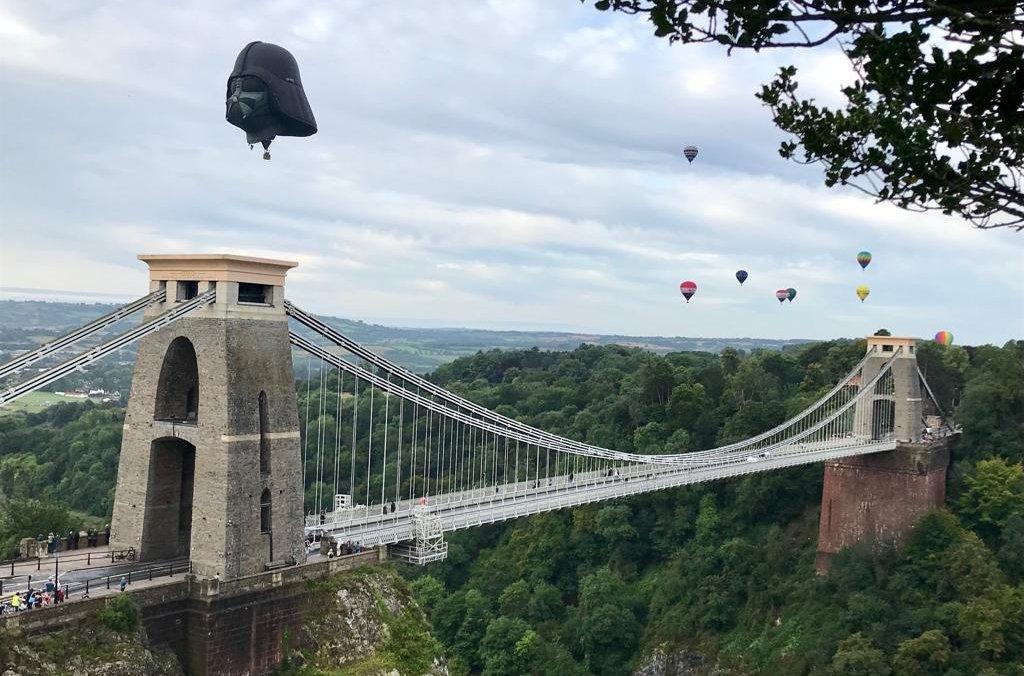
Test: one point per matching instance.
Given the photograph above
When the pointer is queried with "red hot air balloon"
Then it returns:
(688, 288)
(782, 294)
(690, 152)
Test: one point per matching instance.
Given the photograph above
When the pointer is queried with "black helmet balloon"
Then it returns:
(265, 97)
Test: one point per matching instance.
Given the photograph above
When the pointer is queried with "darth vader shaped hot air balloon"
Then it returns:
(265, 98)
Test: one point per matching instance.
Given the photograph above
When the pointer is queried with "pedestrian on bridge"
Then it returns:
(124, 582)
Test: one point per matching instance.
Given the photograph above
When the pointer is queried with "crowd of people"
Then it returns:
(51, 593)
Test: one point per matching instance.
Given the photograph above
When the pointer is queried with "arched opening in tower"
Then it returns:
(167, 526)
(177, 391)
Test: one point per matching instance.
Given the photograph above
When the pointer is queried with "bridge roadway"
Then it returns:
(479, 506)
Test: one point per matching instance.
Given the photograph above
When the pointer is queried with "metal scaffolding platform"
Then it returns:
(428, 543)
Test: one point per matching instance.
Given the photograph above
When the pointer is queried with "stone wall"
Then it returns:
(879, 497)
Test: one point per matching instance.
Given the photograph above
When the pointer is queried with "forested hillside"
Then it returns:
(721, 570)
(726, 569)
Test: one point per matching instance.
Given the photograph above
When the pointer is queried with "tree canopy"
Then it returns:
(933, 119)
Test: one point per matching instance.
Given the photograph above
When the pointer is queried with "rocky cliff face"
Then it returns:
(365, 622)
(88, 649)
(679, 661)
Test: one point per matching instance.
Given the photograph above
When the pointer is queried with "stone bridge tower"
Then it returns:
(880, 497)
(210, 464)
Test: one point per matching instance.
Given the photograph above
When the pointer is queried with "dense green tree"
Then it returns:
(1011, 549)
(21, 518)
(606, 626)
(991, 409)
(925, 655)
(498, 649)
(994, 493)
(428, 591)
(994, 621)
(476, 617)
(856, 656)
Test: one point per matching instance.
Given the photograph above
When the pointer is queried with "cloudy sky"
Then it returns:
(502, 164)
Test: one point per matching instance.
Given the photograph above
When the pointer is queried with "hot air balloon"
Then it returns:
(690, 152)
(862, 292)
(265, 98)
(741, 275)
(790, 294)
(688, 288)
(944, 338)
(782, 294)
(864, 257)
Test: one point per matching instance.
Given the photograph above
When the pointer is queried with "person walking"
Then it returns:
(124, 582)
(16, 601)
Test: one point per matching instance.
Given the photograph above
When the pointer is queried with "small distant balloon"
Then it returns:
(741, 275)
(790, 294)
(688, 288)
(944, 338)
(690, 152)
(864, 257)
(863, 291)
(782, 294)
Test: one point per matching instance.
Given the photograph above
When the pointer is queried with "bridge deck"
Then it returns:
(478, 506)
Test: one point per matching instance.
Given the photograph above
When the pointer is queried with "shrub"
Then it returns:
(120, 614)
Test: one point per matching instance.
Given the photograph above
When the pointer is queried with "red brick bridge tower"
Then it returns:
(881, 497)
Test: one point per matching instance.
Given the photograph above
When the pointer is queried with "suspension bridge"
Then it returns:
(219, 463)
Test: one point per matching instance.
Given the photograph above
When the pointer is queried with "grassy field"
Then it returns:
(33, 402)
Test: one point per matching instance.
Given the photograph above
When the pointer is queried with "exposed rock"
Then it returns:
(679, 660)
(88, 650)
(368, 624)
